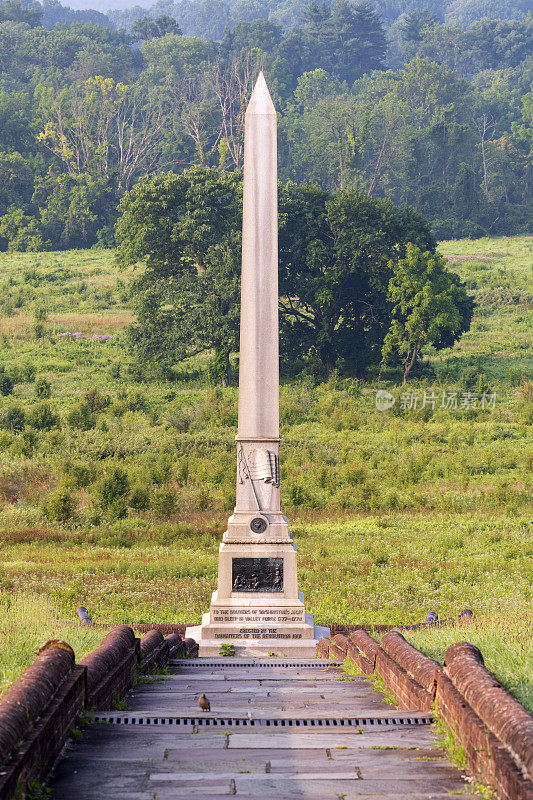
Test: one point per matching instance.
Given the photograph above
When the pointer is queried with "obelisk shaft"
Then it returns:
(257, 606)
(259, 335)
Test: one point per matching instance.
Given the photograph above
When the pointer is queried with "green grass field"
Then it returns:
(114, 492)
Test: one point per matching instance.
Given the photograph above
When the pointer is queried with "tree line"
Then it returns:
(424, 113)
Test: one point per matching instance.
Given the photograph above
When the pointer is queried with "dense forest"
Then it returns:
(428, 103)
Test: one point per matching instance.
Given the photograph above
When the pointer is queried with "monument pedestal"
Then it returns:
(257, 607)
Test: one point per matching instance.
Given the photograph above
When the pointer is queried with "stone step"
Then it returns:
(312, 689)
(264, 677)
(230, 661)
(303, 647)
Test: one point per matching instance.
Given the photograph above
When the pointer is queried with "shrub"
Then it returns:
(6, 384)
(161, 471)
(23, 373)
(129, 401)
(526, 413)
(59, 506)
(114, 370)
(42, 418)
(81, 417)
(182, 418)
(6, 584)
(182, 473)
(107, 538)
(38, 330)
(79, 475)
(515, 376)
(25, 444)
(136, 372)
(118, 509)
(140, 499)
(165, 503)
(113, 486)
(97, 401)
(13, 418)
(42, 389)
(297, 495)
(474, 378)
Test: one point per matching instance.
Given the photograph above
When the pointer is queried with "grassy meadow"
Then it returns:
(114, 490)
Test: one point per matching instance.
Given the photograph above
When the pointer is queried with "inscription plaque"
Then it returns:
(257, 574)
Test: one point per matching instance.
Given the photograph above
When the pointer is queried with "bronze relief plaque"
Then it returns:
(257, 574)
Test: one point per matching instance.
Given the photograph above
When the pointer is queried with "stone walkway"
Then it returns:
(276, 730)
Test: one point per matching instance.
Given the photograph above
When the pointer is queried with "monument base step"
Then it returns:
(262, 648)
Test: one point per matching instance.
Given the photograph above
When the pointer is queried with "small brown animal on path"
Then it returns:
(204, 703)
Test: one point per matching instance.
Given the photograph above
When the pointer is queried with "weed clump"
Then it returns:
(43, 390)
(140, 499)
(59, 506)
(13, 418)
(6, 384)
(113, 488)
(42, 418)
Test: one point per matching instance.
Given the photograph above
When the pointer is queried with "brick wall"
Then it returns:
(494, 729)
(40, 710)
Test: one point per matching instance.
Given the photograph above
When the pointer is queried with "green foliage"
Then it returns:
(464, 12)
(14, 11)
(140, 499)
(13, 418)
(97, 401)
(336, 258)
(36, 791)
(227, 649)
(42, 418)
(82, 417)
(164, 503)
(334, 270)
(79, 475)
(43, 390)
(145, 28)
(382, 689)
(59, 506)
(6, 384)
(428, 114)
(186, 229)
(430, 306)
(406, 510)
(113, 487)
(22, 232)
(344, 38)
(503, 640)
(474, 377)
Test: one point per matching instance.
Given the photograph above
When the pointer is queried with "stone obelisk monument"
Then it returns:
(257, 606)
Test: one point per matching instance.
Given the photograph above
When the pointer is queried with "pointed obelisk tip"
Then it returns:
(260, 101)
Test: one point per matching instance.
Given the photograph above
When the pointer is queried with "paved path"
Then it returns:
(277, 731)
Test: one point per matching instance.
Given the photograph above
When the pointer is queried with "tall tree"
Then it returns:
(146, 28)
(335, 265)
(335, 260)
(349, 39)
(104, 129)
(14, 11)
(319, 127)
(430, 306)
(186, 230)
